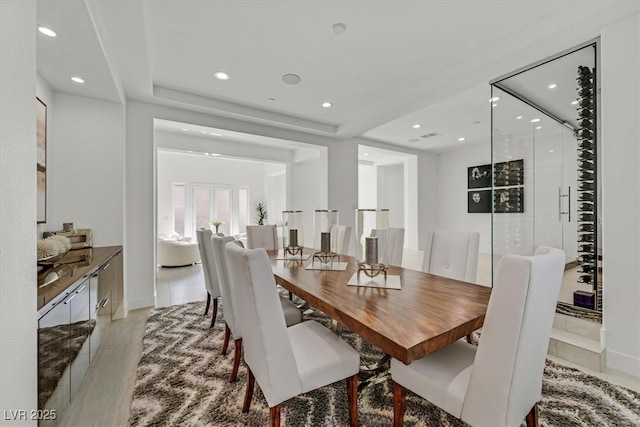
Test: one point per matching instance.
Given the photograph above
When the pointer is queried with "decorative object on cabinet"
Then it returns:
(80, 238)
(217, 223)
(52, 249)
(587, 191)
(41, 164)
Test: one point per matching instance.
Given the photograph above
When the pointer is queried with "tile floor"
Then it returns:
(111, 377)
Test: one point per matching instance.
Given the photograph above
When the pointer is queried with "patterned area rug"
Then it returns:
(182, 379)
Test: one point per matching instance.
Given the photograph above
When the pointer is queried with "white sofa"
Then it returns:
(176, 251)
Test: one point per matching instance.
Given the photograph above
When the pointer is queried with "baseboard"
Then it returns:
(623, 363)
(141, 303)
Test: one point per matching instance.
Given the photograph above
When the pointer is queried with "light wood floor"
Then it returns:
(105, 395)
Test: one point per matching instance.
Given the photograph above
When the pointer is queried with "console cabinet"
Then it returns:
(73, 318)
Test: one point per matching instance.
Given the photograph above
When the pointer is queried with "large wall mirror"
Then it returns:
(545, 169)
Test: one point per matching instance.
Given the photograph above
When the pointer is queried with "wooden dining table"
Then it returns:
(428, 313)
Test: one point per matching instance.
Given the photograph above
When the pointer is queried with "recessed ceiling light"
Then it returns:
(462, 138)
(77, 79)
(494, 99)
(519, 117)
(538, 127)
(365, 154)
(574, 102)
(510, 157)
(476, 122)
(551, 151)
(417, 125)
(47, 31)
(185, 129)
(494, 105)
(414, 140)
(326, 104)
(338, 28)
(214, 134)
(221, 75)
(204, 132)
(535, 120)
(553, 85)
(291, 79)
(271, 99)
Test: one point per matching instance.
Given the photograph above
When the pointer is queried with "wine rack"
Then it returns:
(587, 189)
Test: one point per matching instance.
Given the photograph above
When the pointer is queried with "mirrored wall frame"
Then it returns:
(546, 114)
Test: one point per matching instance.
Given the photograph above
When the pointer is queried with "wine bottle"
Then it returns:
(585, 248)
(587, 155)
(586, 186)
(586, 207)
(585, 279)
(586, 228)
(586, 238)
(586, 258)
(586, 268)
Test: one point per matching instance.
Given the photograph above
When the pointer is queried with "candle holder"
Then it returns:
(323, 221)
(372, 231)
(292, 232)
(325, 255)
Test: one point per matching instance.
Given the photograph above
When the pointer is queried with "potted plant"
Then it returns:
(261, 210)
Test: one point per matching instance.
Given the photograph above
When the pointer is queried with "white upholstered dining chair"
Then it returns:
(292, 314)
(341, 234)
(452, 254)
(395, 246)
(284, 361)
(499, 382)
(209, 271)
(262, 236)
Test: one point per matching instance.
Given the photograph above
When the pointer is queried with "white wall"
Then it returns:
(308, 183)
(18, 333)
(187, 168)
(620, 136)
(85, 167)
(452, 193)
(391, 191)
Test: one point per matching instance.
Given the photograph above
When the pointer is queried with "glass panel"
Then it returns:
(222, 209)
(243, 210)
(178, 208)
(201, 207)
(539, 126)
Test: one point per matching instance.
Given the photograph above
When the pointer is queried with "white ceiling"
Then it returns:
(398, 62)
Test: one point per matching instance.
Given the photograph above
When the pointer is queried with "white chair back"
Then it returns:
(208, 264)
(506, 378)
(229, 311)
(341, 234)
(452, 254)
(267, 347)
(262, 236)
(395, 246)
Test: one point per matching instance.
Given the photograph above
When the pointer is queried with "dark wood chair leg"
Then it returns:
(206, 310)
(532, 416)
(290, 296)
(225, 343)
(248, 395)
(236, 360)
(352, 397)
(274, 416)
(470, 339)
(399, 395)
(215, 311)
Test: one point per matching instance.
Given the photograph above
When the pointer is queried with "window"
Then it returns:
(178, 208)
(229, 204)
